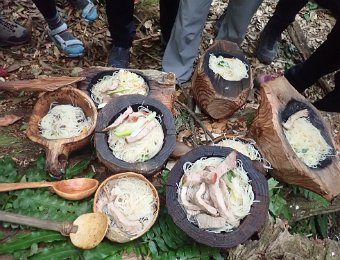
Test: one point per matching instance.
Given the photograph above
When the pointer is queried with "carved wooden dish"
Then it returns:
(161, 84)
(58, 150)
(279, 100)
(113, 233)
(110, 113)
(249, 226)
(218, 97)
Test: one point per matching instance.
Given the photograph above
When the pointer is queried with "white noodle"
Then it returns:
(64, 121)
(231, 69)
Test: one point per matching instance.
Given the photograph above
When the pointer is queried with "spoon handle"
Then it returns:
(64, 228)
(23, 185)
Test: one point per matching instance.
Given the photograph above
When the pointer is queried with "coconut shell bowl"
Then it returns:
(58, 150)
(119, 229)
(249, 225)
(111, 112)
(218, 97)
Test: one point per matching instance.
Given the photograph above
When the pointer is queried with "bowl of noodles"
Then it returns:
(112, 83)
(62, 121)
(135, 133)
(217, 197)
(132, 204)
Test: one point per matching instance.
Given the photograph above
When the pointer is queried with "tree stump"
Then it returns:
(58, 150)
(249, 226)
(110, 113)
(279, 100)
(218, 97)
(161, 84)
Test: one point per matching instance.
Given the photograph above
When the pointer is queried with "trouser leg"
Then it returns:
(168, 12)
(238, 16)
(325, 60)
(182, 48)
(120, 20)
(47, 8)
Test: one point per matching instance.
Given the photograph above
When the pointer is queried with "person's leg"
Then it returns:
(168, 12)
(182, 48)
(237, 18)
(122, 28)
(58, 32)
(325, 60)
(284, 15)
(12, 34)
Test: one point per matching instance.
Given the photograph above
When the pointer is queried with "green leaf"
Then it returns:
(76, 169)
(62, 251)
(322, 224)
(306, 16)
(272, 183)
(153, 248)
(24, 241)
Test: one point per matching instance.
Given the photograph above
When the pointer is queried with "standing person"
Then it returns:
(182, 48)
(324, 60)
(122, 28)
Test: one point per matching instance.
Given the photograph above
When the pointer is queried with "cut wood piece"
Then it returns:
(58, 150)
(161, 84)
(111, 112)
(42, 85)
(216, 96)
(279, 100)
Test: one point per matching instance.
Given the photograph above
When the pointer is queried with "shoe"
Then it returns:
(12, 34)
(87, 8)
(119, 57)
(268, 45)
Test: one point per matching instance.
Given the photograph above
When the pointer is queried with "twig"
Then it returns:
(149, 55)
(152, 36)
(192, 113)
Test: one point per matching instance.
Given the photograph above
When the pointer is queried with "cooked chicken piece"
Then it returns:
(301, 113)
(225, 193)
(200, 202)
(113, 86)
(125, 225)
(119, 120)
(185, 202)
(228, 163)
(208, 222)
(196, 178)
(142, 132)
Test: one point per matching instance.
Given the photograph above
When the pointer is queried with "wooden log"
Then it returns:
(217, 97)
(58, 150)
(110, 113)
(162, 85)
(279, 100)
(42, 85)
(249, 226)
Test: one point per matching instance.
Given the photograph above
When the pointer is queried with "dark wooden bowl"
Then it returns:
(250, 225)
(57, 151)
(110, 113)
(279, 100)
(218, 97)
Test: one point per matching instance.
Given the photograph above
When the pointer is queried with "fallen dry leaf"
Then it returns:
(9, 119)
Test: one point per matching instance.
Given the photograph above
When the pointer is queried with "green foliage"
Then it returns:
(182, 120)
(76, 169)
(164, 177)
(163, 241)
(278, 206)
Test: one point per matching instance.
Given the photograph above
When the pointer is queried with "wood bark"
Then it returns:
(267, 131)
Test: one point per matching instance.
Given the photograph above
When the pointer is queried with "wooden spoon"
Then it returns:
(86, 232)
(73, 189)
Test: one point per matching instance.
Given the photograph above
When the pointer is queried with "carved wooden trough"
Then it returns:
(218, 97)
(279, 100)
(58, 150)
(111, 112)
(249, 226)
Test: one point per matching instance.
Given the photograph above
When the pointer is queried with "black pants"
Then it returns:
(47, 8)
(325, 59)
(120, 19)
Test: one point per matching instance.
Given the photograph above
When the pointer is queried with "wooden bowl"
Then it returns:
(250, 225)
(115, 234)
(279, 100)
(218, 97)
(58, 150)
(110, 113)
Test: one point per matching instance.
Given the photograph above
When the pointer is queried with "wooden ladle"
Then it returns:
(86, 232)
(72, 189)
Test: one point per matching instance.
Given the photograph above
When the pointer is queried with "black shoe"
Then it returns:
(12, 34)
(119, 57)
(268, 45)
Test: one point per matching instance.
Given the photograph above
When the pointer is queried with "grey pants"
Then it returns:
(182, 48)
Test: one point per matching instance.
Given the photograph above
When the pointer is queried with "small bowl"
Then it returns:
(110, 113)
(58, 150)
(114, 234)
(250, 225)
